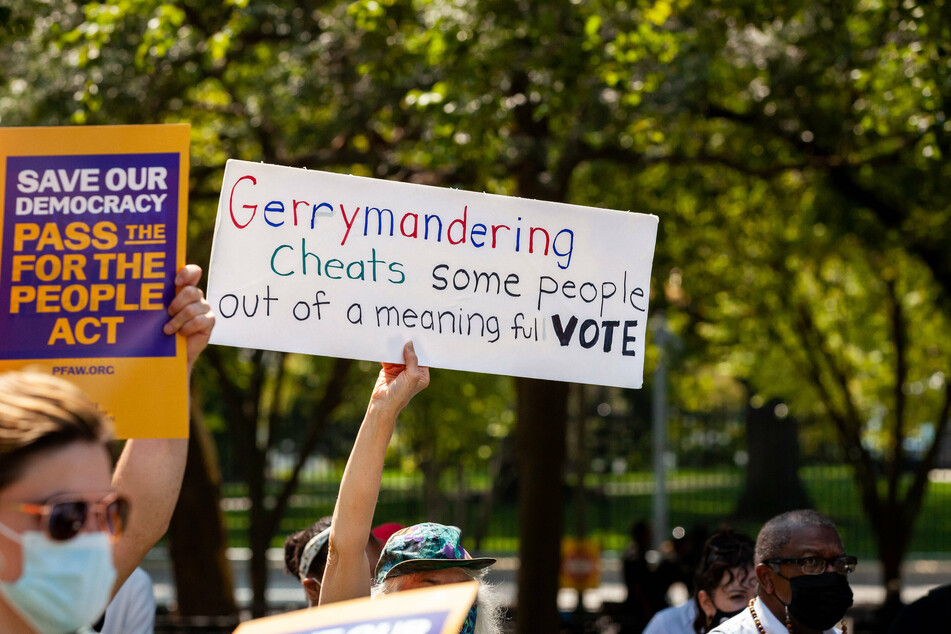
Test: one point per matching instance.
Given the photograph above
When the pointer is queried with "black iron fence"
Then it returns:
(705, 478)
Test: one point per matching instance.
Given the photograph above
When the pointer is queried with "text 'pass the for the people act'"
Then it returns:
(93, 233)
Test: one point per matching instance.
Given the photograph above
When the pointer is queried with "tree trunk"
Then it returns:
(540, 456)
(460, 516)
(197, 535)
(772, 473)
(434, 501)
(891, 554)
(258, 573)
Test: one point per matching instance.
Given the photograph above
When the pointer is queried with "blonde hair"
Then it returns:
(39, 412)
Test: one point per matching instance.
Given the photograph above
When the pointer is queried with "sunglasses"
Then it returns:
(64, 516)
(843, 564)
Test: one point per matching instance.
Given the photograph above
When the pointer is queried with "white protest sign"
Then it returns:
(346, 266)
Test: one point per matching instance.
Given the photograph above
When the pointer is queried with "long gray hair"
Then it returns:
(489, 600)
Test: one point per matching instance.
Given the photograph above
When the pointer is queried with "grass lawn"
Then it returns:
(612, 503)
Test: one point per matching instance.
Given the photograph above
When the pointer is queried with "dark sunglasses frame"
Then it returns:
(843, 564)
(63, 516)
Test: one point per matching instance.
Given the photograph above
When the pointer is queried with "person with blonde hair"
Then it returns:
(72, 528)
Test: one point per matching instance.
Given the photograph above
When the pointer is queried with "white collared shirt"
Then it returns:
(743, 622)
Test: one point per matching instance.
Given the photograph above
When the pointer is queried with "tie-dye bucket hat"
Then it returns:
(427, 546)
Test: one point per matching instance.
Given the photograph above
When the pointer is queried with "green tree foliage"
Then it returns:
(829, 123)
(452, 431)
(844, 332)
(265, 398)
(850, 97)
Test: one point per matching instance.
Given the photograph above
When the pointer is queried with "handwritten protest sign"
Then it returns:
(93, 233)
(438, 610)
(345, 266)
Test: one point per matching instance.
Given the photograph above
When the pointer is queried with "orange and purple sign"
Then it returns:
(92, 233)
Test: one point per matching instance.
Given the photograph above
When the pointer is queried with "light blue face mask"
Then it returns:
(64, 584)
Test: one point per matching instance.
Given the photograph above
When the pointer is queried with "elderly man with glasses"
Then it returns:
(802, 578)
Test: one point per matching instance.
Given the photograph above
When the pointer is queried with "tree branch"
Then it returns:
(848, 423)
(915, 494)
(277, 398)
(900, 341)
(331, 399)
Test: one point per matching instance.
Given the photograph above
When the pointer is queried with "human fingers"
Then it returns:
(417, 376)
(197, 332)
(410, 363)
(185, 286)
(202, 322)
(188, 302)
(392, 370)
(188, 275)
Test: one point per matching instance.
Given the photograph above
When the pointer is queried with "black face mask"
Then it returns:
(722, 616)
(819, 601)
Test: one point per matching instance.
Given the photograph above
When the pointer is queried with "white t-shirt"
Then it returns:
(132, 610)
(676, 620)
(743, 622)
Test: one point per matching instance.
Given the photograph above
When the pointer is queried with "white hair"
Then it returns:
(489, 600)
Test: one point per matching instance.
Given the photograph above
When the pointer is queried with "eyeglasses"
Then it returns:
(63, 516)
(844, 564)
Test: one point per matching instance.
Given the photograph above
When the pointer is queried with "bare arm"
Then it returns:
(149, 472)
(346, 575)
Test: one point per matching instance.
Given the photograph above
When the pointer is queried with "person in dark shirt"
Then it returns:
(927, 614)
